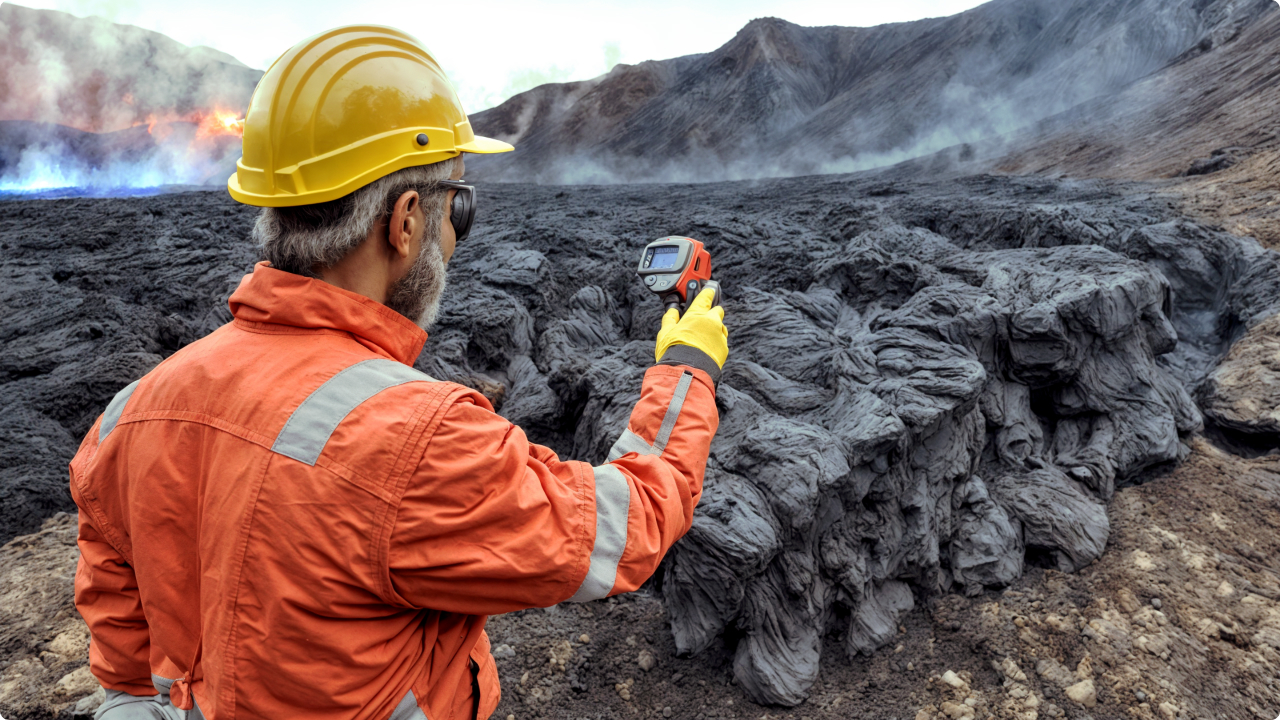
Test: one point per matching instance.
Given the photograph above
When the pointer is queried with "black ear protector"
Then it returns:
(463, 211)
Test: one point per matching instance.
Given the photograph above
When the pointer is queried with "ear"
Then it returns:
(403, 224)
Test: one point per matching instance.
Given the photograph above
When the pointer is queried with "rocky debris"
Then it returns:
(1220, 160)
(1174, 539)
(44, 645)
(949, 677)
(932, 386)
(1242, 396)
(646, 661)
(1083, 693)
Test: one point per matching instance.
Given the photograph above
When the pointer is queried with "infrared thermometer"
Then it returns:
(676, 269)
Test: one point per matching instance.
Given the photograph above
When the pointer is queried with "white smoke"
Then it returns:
(90, 103)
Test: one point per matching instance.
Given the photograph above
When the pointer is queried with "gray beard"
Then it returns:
(417, 294)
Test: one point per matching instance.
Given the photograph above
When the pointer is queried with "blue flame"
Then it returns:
(138, 164)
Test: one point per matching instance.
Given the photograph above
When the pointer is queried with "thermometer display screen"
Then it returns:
(664, 258)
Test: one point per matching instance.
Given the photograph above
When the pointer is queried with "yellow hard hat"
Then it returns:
(344, 108)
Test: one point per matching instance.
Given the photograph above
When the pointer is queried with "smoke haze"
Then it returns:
(90, 103)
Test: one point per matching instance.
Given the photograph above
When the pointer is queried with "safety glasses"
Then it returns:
(463, 212)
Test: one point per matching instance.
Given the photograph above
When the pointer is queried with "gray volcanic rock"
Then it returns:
(781, 99)
(1243, 394)
(930, 384)
(922, 369)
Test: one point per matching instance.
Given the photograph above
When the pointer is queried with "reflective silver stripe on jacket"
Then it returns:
(308, 429)
(630, 442)
(613, 500)
(408, 709)
(115, 409)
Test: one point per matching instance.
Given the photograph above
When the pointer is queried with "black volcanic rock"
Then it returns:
(780, 99)
(930, 384)
(95, 292)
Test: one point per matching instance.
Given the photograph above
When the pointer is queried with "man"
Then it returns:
(285, 519)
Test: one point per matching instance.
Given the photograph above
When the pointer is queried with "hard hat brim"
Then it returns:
(308, 197)
(486, 145)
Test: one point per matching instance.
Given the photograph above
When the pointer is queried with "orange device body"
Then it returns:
(698, 271)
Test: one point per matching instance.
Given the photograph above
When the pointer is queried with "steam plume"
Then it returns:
(91, 103)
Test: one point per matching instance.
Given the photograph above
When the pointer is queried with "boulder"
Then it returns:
(1242, 396)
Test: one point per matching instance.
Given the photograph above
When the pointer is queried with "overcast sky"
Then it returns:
(493, 49)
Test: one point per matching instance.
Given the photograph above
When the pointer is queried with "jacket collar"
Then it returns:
(273, 297)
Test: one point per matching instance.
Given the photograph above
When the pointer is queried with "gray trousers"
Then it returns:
(123, 706)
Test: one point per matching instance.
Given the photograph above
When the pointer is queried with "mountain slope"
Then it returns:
(98, 76)
(1209, 120)
(784, 99)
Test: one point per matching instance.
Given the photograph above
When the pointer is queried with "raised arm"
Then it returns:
(492, 523)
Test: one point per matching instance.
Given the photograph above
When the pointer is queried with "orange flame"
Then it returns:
(208, 124)
(220, 122)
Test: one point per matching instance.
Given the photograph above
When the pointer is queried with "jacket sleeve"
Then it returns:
(491, 523)
(106, 593)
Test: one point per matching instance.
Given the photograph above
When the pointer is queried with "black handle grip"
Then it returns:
(672, 299)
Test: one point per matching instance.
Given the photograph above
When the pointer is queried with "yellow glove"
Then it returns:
(702, 327)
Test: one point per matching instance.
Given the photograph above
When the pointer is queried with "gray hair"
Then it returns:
(306, 237)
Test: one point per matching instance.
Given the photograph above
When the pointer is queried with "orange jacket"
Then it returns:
(292, 522)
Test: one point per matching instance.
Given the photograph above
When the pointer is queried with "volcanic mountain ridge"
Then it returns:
(781, 99)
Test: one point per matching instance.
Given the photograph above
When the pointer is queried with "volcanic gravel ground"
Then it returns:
(933, 386)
